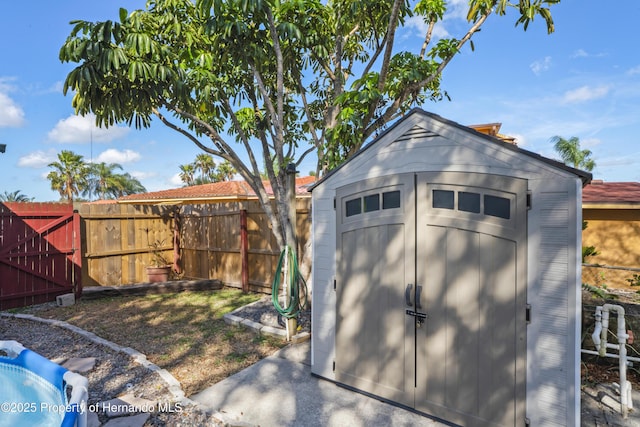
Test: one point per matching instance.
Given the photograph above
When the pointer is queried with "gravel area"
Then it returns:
(114, 374)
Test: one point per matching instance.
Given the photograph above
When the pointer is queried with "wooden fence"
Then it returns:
(213, 241)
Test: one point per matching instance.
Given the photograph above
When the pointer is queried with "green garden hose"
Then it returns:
(295, 303)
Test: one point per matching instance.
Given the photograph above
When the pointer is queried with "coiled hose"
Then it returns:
(295, 304)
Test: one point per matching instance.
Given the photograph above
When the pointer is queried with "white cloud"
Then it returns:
(580, 53)
(37, 159)
(521, 140)
(634, 70)
(79, 129)
(584, 93)
(175, 180)
(590, 142)
(140, 175)
(11, 114)
(54, 88)
(542, 65)
(456, 9)
(116, 156)
(417, 23)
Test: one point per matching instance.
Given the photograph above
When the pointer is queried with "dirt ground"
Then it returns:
(183, 332)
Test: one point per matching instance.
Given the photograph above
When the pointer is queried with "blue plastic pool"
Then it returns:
(38, 392)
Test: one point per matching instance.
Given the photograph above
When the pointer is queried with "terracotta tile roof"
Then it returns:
(230, 190)
(611, 192)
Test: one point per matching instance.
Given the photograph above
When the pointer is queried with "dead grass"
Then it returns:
(183, 332)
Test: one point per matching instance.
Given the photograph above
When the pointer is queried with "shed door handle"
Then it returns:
(407, 295)
(418, 292)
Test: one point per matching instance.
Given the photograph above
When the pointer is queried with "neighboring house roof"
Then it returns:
(493, 129)
(600, 194)
(218, 191)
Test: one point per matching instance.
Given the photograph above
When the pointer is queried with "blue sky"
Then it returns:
(583, 81)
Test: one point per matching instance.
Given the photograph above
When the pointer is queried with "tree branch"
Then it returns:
(391, 110)
(427, 38)
(390, 38)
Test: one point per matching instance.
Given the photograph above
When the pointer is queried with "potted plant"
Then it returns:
(160, 269)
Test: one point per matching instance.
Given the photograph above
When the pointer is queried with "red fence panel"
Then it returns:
(39, 253)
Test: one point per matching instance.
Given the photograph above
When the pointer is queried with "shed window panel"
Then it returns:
(469, 202)
(443, 199)
(353, 207)
(372, 203)
(497, 206)
(391, 200)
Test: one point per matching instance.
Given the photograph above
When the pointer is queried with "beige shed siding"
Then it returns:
(420, 144)
(553, 359)
(324, 297)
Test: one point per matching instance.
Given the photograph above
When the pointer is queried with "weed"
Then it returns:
(635, 280)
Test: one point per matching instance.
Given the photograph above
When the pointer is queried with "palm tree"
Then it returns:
(125, 184)
(226, 171)
(205, 163)
(187, 173)
(15, 196)
(102, 179)
(571, 153)
(70, 175)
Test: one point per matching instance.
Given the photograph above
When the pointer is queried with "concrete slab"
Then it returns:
(601, 407)
(280, 391)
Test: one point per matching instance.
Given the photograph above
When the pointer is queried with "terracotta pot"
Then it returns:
(158, 274)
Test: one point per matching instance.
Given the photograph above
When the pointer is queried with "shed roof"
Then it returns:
(217, 191)
(485, 133)
(611, 194)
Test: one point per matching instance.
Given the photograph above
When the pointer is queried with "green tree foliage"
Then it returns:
(571, 154)
(588, 251)
(73, 176)
(206, 165)
(69, 176)
(105, 183)
(187, 173)
(126, 185)
(208, 171)
(225, 171)
(14, 196)
(269, 81)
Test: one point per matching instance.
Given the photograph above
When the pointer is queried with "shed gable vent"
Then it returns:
(416, 132)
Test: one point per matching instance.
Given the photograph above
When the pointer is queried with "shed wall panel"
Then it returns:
(553, 237)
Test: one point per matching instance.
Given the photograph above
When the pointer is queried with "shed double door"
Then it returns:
(431, 294)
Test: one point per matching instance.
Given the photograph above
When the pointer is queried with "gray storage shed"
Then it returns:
(446, 276)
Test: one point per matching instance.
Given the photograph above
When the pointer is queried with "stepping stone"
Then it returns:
(93, 420)
(80, 365)
(132, 421)
(127, 404)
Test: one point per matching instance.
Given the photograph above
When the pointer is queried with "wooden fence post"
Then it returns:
(244, 250)
(76, 255)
